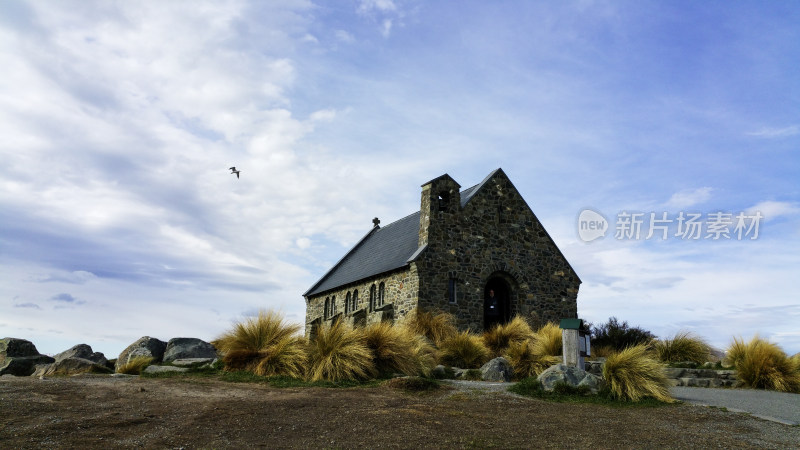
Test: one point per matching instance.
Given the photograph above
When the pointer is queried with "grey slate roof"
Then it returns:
(381, 250)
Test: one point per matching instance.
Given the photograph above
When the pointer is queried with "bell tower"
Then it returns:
(440, 204)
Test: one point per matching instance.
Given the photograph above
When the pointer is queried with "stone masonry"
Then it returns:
(468, 241)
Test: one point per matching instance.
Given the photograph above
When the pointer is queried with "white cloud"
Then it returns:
(771, 133)
(344, 36)
(771, 210)
(376, 5)
(689, 197)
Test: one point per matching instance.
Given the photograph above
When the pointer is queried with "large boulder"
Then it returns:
(145, 346)
(70, 366)
(573, 376)
(16, 348)
(19, 357)
(183, 348)
(83, 351)
(498, 369)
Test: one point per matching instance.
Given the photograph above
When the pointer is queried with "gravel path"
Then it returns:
(776, 406)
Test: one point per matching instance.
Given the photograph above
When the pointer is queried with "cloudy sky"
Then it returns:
(119, 217)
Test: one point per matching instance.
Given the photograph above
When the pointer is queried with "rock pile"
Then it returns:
(20, 357)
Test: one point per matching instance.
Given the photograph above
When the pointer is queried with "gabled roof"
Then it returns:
(382, 250)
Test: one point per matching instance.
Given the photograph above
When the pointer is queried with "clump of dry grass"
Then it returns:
(464, 350)
(398, 349)
(265, 345)
(526, 362)
(684, 346)
(436, 326)
(135, 365)
(761, 364)
(547, 340)
(501, 336)
(339, 353)
(633, 374)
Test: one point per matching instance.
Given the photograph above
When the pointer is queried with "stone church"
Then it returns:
(479, 253)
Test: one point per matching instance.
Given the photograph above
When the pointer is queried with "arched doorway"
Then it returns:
(497, 309)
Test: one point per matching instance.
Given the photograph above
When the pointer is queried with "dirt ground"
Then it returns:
(100, 411)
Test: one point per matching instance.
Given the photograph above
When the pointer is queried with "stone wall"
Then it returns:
(495, 235)
(400, 297)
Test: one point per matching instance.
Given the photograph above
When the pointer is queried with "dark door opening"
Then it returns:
(496, 308)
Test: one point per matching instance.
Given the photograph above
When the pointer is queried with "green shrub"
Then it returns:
(473, 375)
(437, 327)
(763, 365)
(564, 388)
(526, 362)
(501, 336)
(530, 387)
(339, 353)
(684, 346)
(414, 384)
(464, 350)
(619, 336)
(265, 345)
(633, 374)
(135, 365)
(398, 349)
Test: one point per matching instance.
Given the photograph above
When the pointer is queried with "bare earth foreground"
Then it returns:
(100, 411)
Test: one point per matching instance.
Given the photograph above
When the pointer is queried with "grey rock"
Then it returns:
(573, 376)
(145, 346)
(16, 348)
(182, 348)
(23, 366)
(595, 366)
(164, 369)
(83, 351)
(70, 366)
(187, 362)
(498, 369)
(674, 372)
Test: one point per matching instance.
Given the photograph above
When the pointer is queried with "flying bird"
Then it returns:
(233, 170)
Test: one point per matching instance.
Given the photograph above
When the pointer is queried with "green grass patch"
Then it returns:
(414, 384)
(562, 393)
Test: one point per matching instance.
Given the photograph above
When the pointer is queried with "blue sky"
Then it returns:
(119, 218)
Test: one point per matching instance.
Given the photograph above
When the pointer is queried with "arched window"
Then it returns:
(333, 306)
(327, 310)
(347, 303)
(372, 297)
(380, 294)
(354, 306)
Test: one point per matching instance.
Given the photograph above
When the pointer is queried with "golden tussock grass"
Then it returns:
(547, 340)
(526, 362)
(501, 336)
(761, 364)
(436, 326)
(398, 349)
(464, 350)
(265, 345)
(684, 346)
(135, 365)
(633, 374)
(339, 353)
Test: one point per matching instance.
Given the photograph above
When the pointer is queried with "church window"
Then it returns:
(327, 311)
(451, 290)
(347, 303)
(354, 306)
(333, 306)
(381, 290)
(372, 298)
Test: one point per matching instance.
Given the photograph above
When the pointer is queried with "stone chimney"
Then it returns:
(376, 222)
(440, 203)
